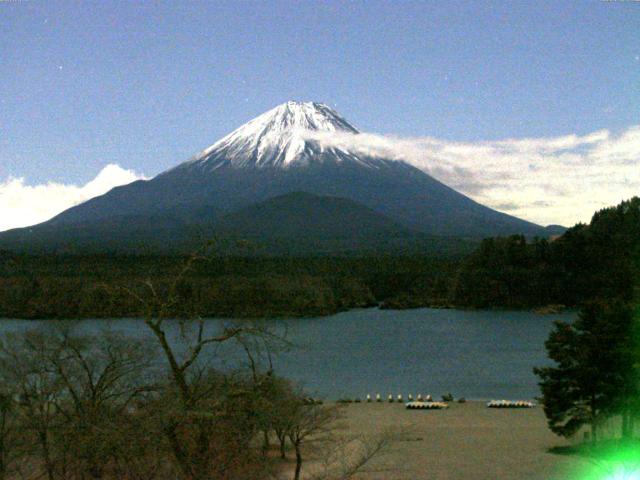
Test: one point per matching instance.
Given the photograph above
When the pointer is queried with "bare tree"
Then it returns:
(210, 429)
(23, 366)
(101, 377)
(308, 422)
(269, 391)
(209, 420)
(74, 393)
(346, 457)
(10, 448)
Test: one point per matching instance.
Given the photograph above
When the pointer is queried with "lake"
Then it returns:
(475, 354)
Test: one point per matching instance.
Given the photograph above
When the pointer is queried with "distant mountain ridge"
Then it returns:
(271, 156)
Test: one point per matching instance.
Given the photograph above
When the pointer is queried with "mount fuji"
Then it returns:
(258, 179)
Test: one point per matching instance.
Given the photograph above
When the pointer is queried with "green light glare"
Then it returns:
(623, 474)
(616, 461)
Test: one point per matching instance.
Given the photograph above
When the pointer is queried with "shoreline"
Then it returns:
(542, 311)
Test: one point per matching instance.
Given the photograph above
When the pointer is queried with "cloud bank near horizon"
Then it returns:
(22, 205)
(556, 180)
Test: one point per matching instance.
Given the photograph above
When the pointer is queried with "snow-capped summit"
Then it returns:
(281, 137)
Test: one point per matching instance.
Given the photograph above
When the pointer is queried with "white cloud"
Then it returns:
(22, 204)
(545, 180)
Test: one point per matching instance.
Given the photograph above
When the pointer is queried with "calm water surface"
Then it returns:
(476, 354)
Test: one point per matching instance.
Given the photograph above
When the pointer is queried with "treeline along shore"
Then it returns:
(507, 272)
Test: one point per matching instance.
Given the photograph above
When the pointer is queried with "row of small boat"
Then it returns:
(426, 405)
(399, 398)
(510, 404)
(427, 402)
(492, 404)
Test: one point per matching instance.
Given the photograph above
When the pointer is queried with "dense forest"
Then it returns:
(586, 262)
(509, 272)
(107, 286)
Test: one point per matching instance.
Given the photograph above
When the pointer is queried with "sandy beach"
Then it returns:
(466, 441)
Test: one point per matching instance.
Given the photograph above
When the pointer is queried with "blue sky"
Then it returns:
(146, 85)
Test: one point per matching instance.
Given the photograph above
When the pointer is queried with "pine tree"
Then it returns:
(596, 368)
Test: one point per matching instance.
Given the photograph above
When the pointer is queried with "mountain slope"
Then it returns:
(297, 223)
(304, 224)
(276, 154)
(299, 214)
(395, 189)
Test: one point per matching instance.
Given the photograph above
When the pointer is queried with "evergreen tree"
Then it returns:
(596, 368)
